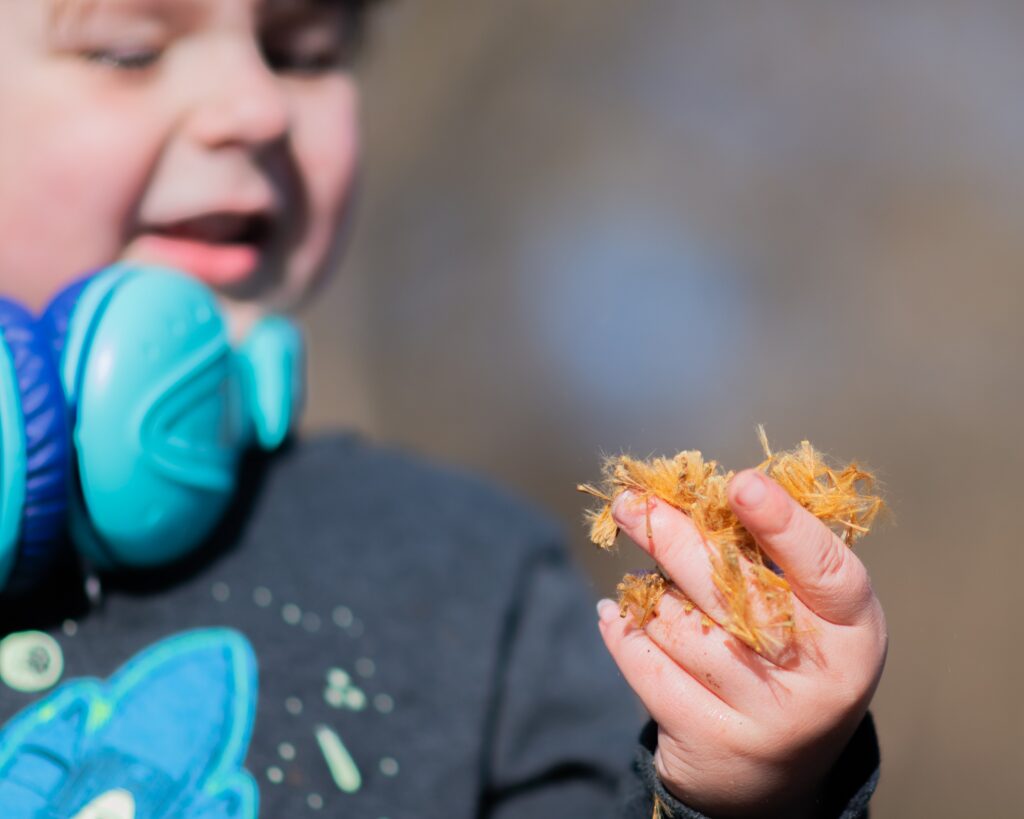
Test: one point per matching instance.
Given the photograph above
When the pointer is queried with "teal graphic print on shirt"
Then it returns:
(166, 736)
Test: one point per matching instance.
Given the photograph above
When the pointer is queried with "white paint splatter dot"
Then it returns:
(315, 801)
(335, 697)
(383, 703)
(70, 628)
(94, 590)
(221, 592)
(355, 699)
(342, 766)
(311, 622)
(365, 667)
(275, 775)
(30, 661)
(262, 597)
(342, 616)
(389, 766)
(286, 751)
(291, 613)
(336, 678)
(293, 705)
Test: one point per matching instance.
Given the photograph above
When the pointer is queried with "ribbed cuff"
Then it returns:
(845, 795)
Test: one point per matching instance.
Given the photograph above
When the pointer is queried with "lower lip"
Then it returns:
(218, 265)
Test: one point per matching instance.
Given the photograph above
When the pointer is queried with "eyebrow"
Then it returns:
(59, 8)
(84, 6)
(62, 9)
(70, 12)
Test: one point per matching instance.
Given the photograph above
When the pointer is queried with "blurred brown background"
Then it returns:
(598, 226)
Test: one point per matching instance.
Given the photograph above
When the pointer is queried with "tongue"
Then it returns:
(216, 264)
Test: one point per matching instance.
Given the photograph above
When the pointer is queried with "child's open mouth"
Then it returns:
(221, 249)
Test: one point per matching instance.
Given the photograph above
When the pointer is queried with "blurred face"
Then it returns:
(216, 136)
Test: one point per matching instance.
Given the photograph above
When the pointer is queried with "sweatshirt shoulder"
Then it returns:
(374, 492)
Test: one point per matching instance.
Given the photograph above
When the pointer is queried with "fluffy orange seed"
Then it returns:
(758, 600)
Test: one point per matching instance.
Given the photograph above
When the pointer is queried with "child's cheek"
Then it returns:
(71, 181)
(326, 145)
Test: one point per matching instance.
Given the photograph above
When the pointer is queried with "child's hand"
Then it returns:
(739, 733)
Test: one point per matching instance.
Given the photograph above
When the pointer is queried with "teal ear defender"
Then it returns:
(124, 413)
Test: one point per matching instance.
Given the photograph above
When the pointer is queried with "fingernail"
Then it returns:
(751, 490)
(627, 509)
(607, 610)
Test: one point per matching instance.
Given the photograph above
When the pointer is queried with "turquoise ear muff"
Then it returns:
(157, 409)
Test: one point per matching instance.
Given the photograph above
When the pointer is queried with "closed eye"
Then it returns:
(304, 62)
(124, 60)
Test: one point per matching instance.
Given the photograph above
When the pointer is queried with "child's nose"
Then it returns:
(242, 102)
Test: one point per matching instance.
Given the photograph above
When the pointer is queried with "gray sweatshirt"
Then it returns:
(366, 636)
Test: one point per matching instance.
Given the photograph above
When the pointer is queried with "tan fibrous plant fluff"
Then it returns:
(757, 598)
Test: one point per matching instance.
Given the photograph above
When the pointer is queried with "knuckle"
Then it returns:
(831, 563)
(848, 688)
(669, 629)
(872, 620)
(667, 536)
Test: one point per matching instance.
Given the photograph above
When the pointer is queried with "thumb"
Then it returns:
(822, 570)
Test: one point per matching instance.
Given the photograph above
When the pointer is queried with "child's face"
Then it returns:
(219, 136)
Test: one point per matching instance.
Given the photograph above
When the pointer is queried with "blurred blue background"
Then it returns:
(593, 226)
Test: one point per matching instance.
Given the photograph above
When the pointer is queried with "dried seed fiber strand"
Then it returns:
(756, 597)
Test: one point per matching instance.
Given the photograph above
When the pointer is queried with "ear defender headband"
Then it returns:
(124, 412)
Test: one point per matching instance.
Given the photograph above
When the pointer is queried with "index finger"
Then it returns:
(822, 570)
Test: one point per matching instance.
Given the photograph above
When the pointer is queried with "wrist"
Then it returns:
(841, 792)
(755, 792)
